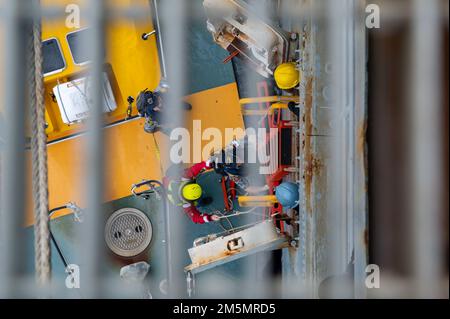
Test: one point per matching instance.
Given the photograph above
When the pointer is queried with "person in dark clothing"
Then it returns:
(150, 106)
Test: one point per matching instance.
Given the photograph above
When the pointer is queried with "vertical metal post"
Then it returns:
(174, 14)
(159, 38)
(256, 277)
(92, 228)
(425, 141)
(359, 200)
(12, 159)
(338, 15)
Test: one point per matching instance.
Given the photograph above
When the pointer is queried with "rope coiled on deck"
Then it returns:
(39, 154)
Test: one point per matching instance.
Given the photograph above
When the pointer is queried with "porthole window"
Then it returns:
(77, 44)
(53, 60)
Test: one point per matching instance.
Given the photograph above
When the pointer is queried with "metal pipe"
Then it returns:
(91, 248)
(337, 18)
(159, 38)
(425, 141)
(174, 14)
(359, 203)
(256, 274)
(55, 243)
(145, 36)
(12, 159)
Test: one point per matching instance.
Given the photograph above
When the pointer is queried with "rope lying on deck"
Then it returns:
(39, 155)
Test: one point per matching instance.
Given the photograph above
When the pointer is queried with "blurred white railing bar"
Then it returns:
(340, 185)
(174, 15)
(12, 198)
(91, 248)
(359, 203)
(426, 146)
(159, 37)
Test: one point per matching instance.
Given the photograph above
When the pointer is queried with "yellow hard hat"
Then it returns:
(192, 191)
(287, 76)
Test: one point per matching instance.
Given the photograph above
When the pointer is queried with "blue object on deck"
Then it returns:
(287, 194)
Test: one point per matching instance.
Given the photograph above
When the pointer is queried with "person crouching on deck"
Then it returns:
(188, 194)
(151, 107)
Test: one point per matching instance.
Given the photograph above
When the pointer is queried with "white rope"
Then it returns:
(239, 213)
(238, 228)
(39, 156)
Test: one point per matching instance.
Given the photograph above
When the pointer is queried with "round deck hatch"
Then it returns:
(128, 232)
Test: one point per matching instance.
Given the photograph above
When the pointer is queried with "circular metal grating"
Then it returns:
(128, 232)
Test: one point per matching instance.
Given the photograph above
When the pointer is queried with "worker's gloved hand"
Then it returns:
(215, 218)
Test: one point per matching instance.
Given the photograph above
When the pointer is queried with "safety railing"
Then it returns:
(342, 200)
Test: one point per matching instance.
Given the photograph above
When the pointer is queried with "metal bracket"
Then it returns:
(146, 193)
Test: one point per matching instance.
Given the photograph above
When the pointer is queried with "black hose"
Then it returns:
(58, 249)
(56, 209)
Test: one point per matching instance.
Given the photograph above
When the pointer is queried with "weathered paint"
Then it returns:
(262, 236)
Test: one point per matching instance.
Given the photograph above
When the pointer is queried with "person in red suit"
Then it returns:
(186, 193)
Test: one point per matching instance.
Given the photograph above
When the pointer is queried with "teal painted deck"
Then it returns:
(65, 229)
(204, 66)
(65, 232)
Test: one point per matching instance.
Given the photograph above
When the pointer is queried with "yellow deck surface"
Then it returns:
(133, 62)
(130, 152)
